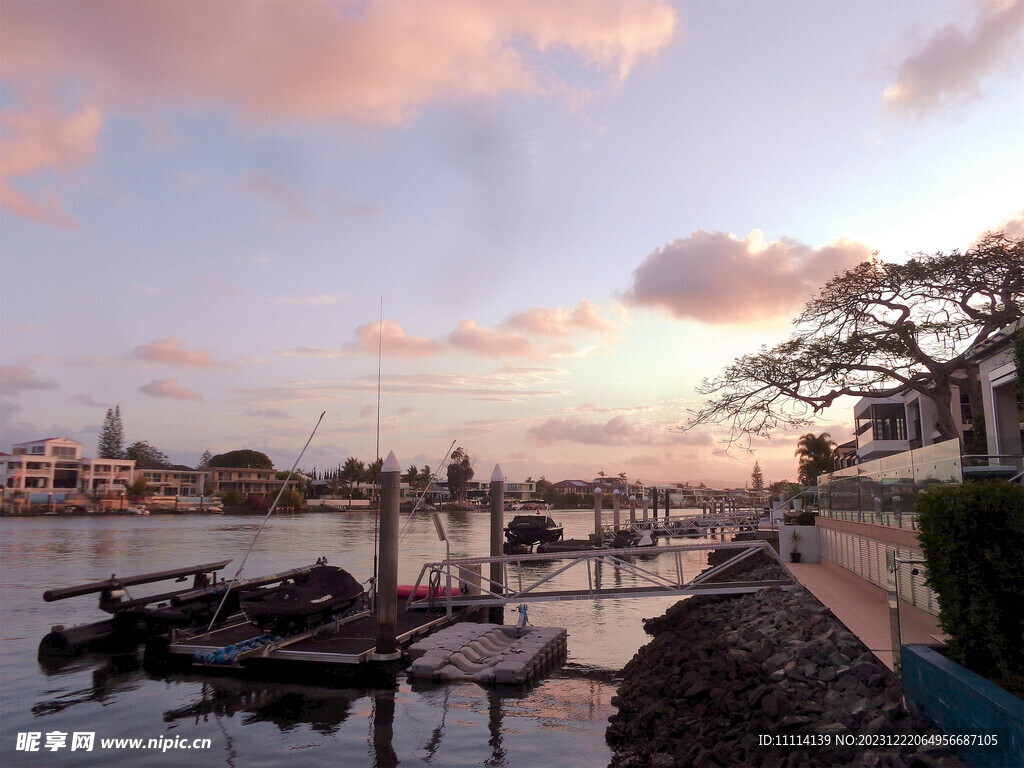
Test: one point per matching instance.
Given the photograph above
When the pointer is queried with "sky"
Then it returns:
(551, 219)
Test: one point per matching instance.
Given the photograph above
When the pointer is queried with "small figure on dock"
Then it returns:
(524, 619)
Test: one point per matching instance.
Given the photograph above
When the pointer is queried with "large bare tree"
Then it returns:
(875, 330)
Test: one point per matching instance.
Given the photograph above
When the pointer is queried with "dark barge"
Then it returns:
(133, 619)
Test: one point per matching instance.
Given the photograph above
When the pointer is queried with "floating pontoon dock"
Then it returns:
(342, 646)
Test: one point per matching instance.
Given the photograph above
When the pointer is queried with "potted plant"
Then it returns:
(794, 554)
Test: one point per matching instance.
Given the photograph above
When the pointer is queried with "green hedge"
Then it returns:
(973, 540)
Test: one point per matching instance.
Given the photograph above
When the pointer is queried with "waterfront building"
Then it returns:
(573, 487)
(56, 465)
(175, 481)
(998, 376)
(524, 491)
(243, 480)
(890, 425)
(867, 522)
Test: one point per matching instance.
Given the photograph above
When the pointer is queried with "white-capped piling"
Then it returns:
(387, 576)
(497, 613)
(615, 509)
(646, 501)
(598, 531)
(632, 509)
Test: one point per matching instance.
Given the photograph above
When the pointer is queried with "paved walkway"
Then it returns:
(864, 608)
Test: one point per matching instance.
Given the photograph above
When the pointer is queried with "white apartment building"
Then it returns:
(56, 465)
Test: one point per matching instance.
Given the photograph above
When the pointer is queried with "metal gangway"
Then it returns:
(523, 582)
(690, 526)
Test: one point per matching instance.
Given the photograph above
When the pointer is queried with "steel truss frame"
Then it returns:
(531, 589)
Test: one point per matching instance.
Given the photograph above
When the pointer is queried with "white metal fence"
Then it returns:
(866, 558)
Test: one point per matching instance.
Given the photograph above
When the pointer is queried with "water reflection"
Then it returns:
(285, 706)
(494, 720)
(110, 675)
(384, 755)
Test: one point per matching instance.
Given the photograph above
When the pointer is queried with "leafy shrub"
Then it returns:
(291, 499)
(257, 503)
(973, 536)
(232, 499)
(806, 518)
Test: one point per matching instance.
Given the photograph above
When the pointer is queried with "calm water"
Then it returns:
(559, 722)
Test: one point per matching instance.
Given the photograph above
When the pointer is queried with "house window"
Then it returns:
(889, 421)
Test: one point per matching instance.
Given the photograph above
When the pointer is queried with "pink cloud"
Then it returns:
(471, 337)
(392, 340)
(561, 322)
(170, 351)
(373, 63)
(716, 277)
(44, 139)
(948, 68)
(616, 431)
(1013, 227)
(17, 378)
(168, 388)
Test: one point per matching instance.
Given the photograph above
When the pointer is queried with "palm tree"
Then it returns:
(334, 486)
(353, 471)
(815, 454)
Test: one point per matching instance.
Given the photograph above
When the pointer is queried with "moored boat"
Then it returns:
(526, 530)
(308, 599)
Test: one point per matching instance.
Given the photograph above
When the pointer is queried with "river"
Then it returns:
(558, 722)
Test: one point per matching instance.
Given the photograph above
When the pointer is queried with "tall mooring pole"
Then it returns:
(496, 615)
(598, 531)
(387, 577)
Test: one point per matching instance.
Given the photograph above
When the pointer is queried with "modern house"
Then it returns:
(243, 480)
(1000, 377)
(889, 425)
(175, 481)
(867, 523)
(56, 465)
(574, 487)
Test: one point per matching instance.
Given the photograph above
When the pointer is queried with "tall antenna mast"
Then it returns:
(380, 351)
(376, 458)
